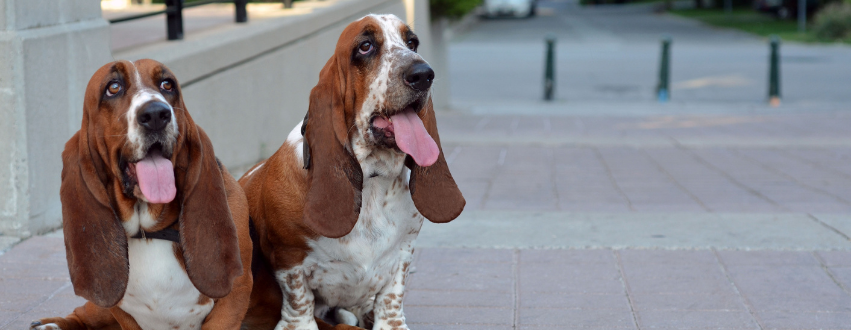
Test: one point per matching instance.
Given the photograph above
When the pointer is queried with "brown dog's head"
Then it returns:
(374, 98)
(138, 150)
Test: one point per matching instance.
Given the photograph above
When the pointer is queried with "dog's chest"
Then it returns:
(350, 270)
(159, 293)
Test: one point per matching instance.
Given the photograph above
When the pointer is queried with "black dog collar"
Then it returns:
(167, 234)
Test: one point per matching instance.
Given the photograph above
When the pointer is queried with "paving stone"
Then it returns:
(804, 320)
(666, 257)
(574, 301)
(434, 257)
(567, 327)
(696, 320)
(612, 319)
(31, 287)
(570, 257)
(690, 302)
(425, 326)
(590, 278)
(756, 258)
(836, 258)
(802, 301)
(462, 298)
(57, 306)
(459, 315)
(769, 280)
(707, 285)
(843, 275)
(464, 276)
(673, 271)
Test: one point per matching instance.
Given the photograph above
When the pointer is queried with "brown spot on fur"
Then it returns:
(203, 300)
(178, 254)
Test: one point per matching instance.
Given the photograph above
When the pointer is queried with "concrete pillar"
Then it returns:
(440, 63)
(48, 51)
(432, 47)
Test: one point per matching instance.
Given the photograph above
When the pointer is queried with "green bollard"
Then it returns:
(549, 70)
(663, 92)
(774, 72)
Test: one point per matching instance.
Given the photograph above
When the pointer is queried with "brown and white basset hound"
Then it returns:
(156, 230)
(338, 207)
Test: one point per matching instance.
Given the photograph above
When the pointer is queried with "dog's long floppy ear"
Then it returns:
(335, 179)
(207, 232)
(433, 189)
(95, 240)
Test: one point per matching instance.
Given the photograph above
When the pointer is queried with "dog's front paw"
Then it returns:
(346, 317)
(36, 325)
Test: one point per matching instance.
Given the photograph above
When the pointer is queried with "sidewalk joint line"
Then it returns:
(548, 126)
(789, 177)
(515, 269)
(54, 293)
(502, 153)
(745, 300)
(728, 176)
(626, 288)
(612, 178)
(674, 180)
(811, 163)
(551, 154)
(830, 273)
(497, 172)
(482, 123)
(451, 157)
(816, 219)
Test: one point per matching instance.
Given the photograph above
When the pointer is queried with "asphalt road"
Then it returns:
(611, 54)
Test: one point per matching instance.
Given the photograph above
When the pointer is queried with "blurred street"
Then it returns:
(604, 209)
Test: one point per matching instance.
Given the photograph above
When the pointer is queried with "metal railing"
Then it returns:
(174, 14)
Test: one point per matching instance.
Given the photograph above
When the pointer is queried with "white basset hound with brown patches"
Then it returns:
(338, 207)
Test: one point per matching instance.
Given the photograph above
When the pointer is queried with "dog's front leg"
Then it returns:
(88, 316)
(297, 309)
(388, 303)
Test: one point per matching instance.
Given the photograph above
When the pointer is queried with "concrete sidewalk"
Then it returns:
(547, 289)
(654, 221)
(604, 209)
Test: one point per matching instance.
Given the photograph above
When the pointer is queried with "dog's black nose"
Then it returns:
(154, 116)
(419, 76)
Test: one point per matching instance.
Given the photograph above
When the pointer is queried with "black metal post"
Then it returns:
(663, 91)
(774, 72)
(288, 3)
(549, 70)
(174, 19)
(241, 12)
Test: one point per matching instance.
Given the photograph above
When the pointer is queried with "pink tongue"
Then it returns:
(156, 178)
(413, 139)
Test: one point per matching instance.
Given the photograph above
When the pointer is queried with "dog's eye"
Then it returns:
(166, 85)
(365, 47)
(113, 88)
(412, 45)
